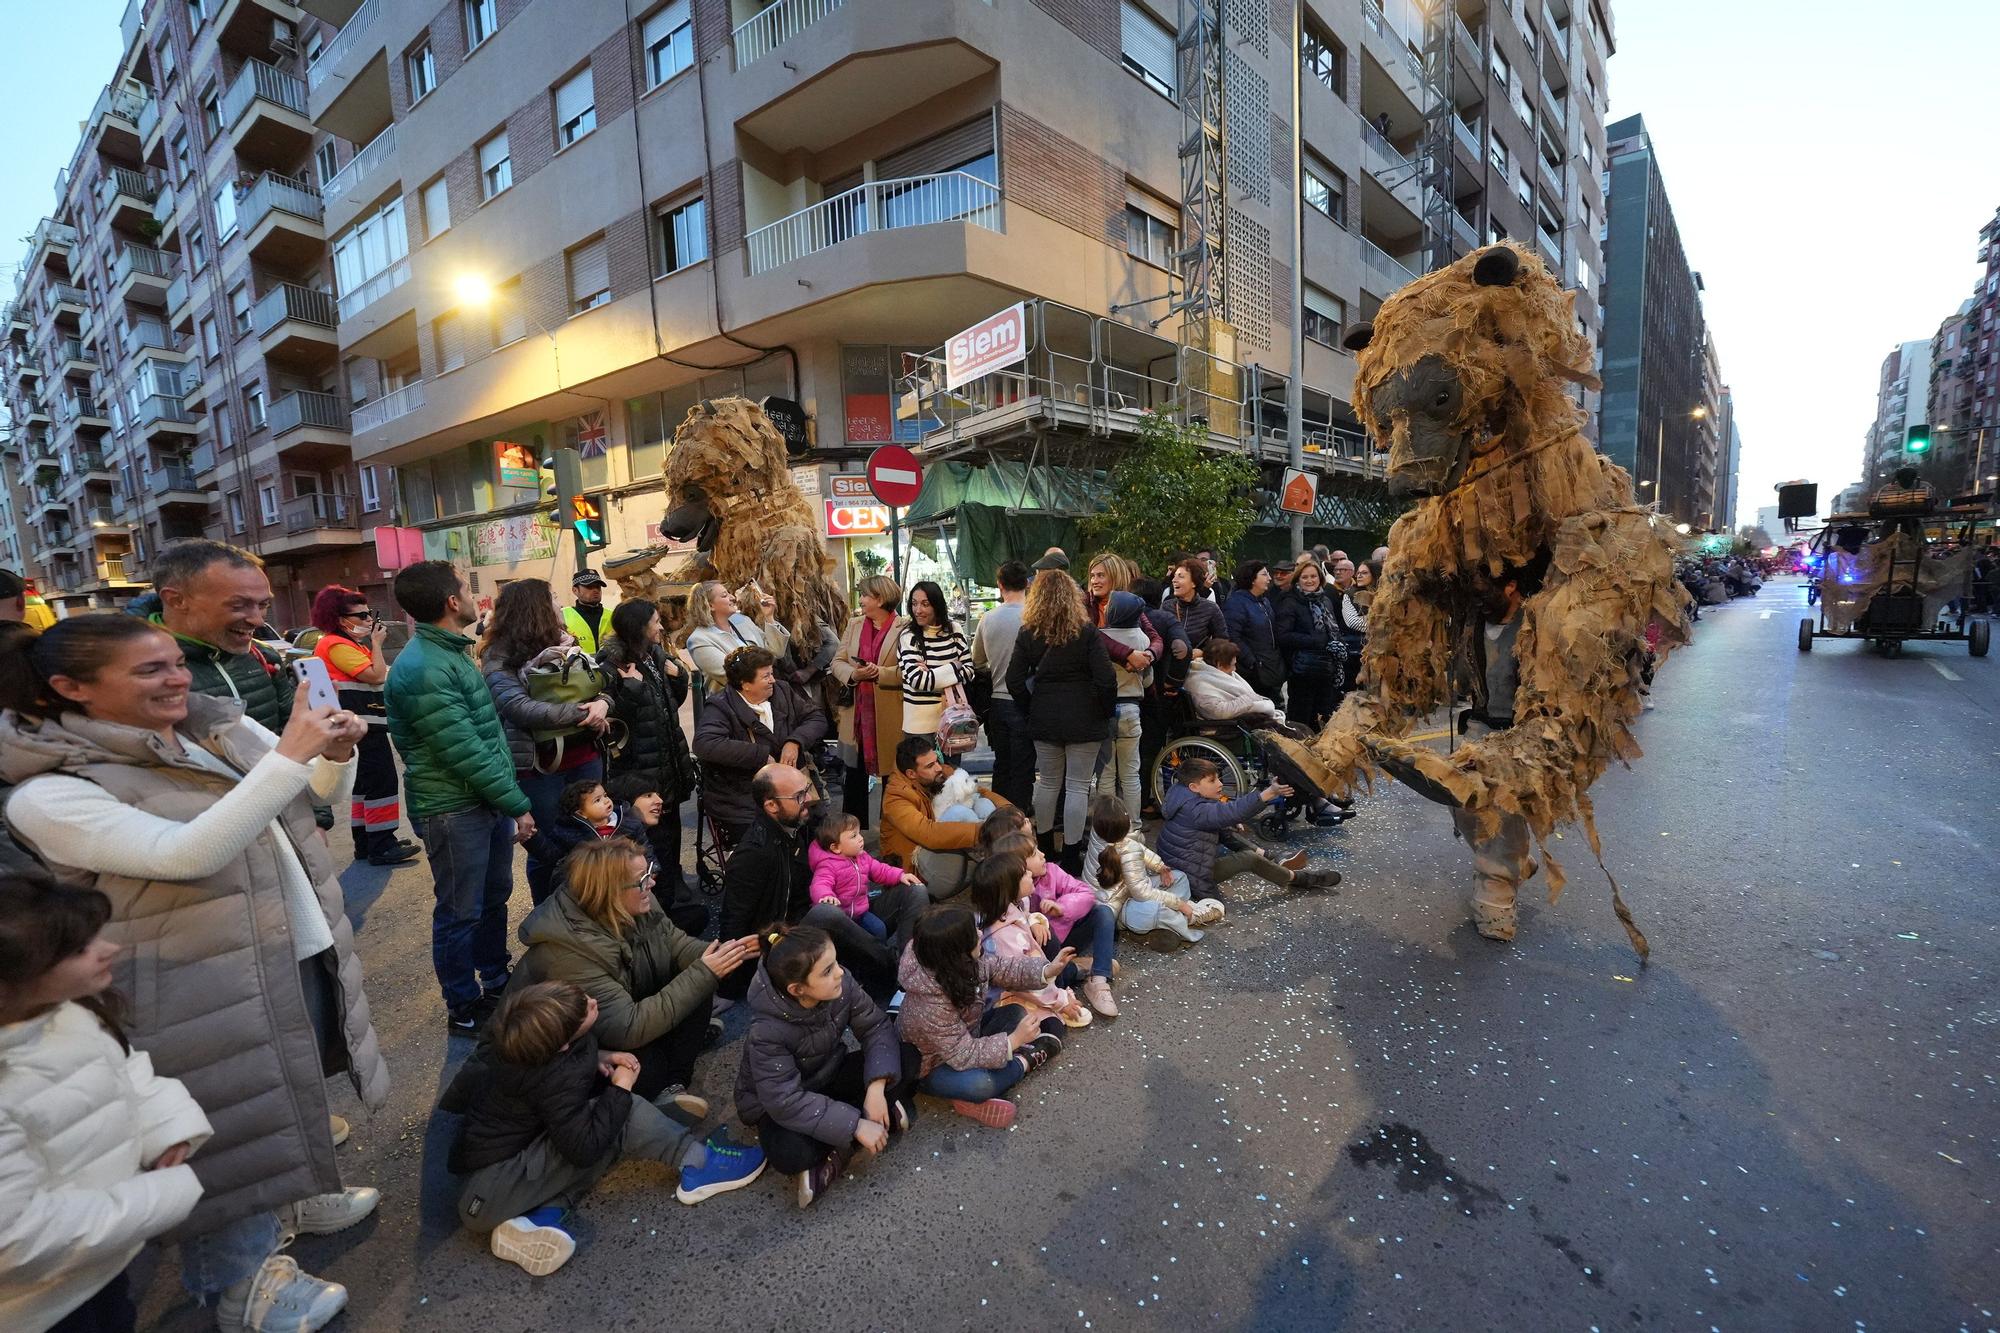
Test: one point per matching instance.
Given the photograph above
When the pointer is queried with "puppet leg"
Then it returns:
(1501, 863)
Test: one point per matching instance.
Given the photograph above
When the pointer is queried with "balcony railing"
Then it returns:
(282, 193)
(260, 81)
(343, 41)
(177, 292)
(92, 460)
(374, 289)
(124, 180)
(311, 513)
(173, 477)
(111, 569)
(202, 461)
(1391, 156)
(124, 103)
(51, 233)
(147, 333)
(388, 407)
(149, 119)
(62, 293)
(82, 405)
(378, 150)
(288, 300)
(765, 31)
(72, 349)
(142, 259)
(910, 201)
(306, 407)
(99, 516)
(155, 408)
(1468, 135)
(1384, 267)
(1552, 249)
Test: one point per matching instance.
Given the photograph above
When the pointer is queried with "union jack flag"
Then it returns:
(592, 436)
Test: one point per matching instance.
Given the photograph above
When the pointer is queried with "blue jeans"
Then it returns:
(472, 871)
(874, 925)
(1096, 935)
(979, 1085)
(543, 790)
(217, 1260)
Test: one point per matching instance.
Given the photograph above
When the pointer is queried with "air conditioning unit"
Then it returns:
(284, 37)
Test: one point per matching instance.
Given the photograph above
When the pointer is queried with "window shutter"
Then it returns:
(1147, 42)
(1320, 303)
(450, 343)
(437, 207)
(662, 22)
(951, 149)
(574, 98)
(510, 321)
(589, 271)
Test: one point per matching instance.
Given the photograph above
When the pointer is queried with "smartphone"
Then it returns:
(318, 685)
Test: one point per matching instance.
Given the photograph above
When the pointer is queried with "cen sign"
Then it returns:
(999, 340)
(855, 519)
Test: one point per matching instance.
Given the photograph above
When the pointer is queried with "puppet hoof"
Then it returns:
(1295, 755)
(1495, 923)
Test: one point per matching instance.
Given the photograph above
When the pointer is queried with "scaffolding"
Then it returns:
(1435, 159)
(1204, 291)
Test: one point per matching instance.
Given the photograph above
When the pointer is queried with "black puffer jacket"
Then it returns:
(1074, 687)
(507, 1107)
(1201, 619)
(650, 709)
(1301, 640)
(791, 1052)
(732, 743)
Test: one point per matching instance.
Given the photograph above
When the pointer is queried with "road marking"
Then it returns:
(1944, 671)
(1765, 615)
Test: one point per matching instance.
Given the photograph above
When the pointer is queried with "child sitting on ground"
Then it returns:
(1136, 884)
(1196, 814)
(96, 1144)
(549, 1114)
(842, 870)
(999, 896)
(959, 801)
(970, 1054)
(814, 1100)
(1074, 916)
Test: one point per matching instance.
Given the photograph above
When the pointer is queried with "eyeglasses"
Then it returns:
(645, 881)
(799, 795)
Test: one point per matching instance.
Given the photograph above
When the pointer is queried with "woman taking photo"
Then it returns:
(650, 687)
(237, 958)
(1189, 602)
(1061, 669)
(350, 643)
(871, 716)
(523, 626)
(1308, 632)
(1248, 613)
(761, 609)
(932, 657)
(715, 629)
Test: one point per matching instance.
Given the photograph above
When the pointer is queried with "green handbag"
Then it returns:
(561, 676)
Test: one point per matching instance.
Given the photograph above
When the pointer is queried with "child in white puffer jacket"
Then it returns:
(93, 1144)
(1135, 883)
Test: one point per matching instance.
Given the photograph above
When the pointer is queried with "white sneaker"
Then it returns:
(538, 1250)
(324, 1214)
(1207, 912)
(278, 1298)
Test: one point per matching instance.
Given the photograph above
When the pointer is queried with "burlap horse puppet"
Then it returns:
(1465, 373)
(730, 491)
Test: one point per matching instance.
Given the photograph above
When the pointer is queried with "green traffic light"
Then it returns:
(1917, 441)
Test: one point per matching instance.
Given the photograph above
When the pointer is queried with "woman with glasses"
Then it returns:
(654, 985)
(350, 643)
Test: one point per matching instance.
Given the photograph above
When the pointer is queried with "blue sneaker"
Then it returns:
(729, 1167)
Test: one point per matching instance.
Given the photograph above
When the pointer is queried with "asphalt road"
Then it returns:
(1349, 1111)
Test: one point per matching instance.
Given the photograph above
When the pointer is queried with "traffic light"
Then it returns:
(1917, 440)
(562, 473)
(588, 520)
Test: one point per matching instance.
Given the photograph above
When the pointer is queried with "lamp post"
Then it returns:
(476, 291)
(1295, 399)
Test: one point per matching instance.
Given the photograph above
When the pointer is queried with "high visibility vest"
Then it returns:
(580, 630)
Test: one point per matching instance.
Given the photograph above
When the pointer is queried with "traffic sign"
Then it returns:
(1299, 493)
(895, 475)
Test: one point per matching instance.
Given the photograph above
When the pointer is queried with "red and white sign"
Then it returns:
(849, 486)
(895, 475)
(999, 340)
(854, 518)
(1299, 493)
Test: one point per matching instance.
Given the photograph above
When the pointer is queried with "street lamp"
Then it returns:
(476, 291)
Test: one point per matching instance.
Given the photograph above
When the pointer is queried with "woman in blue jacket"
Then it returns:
(1248, 612)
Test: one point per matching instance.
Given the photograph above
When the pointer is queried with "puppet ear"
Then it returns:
(1358, 336)
(1496, 267)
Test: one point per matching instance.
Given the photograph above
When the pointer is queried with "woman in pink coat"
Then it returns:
(842, 870)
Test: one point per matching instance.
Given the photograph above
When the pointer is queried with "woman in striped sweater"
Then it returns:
(932, 657)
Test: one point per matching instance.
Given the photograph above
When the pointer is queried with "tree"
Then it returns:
(1171, 492)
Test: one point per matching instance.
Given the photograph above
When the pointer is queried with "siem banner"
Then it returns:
(999, 340)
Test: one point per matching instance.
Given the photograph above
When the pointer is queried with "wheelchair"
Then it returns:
(1231, 745)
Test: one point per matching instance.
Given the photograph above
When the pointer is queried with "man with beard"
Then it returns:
(768, 878)
(939, 851)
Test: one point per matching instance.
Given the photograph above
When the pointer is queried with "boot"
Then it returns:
(1072, 858)
(1050, 848)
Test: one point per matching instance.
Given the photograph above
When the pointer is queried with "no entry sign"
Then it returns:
(895, 475)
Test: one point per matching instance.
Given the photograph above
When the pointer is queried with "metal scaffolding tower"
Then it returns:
(1204, 295)
(1440, 246)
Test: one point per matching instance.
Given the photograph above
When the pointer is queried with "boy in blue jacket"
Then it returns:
(1196, 815)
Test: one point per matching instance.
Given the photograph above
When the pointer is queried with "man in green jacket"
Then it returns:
(460, 777)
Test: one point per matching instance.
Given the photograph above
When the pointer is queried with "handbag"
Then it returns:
(561, 675)
(958, 725)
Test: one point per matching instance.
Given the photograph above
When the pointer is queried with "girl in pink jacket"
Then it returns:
(1070, 907)
(999, 896)
(842, 869)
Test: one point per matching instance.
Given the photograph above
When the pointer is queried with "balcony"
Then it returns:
(165, 213)
(313, 521)
(84, 412)
(1552, 180)
(27, 374)
(175, 484)
(148, 334)
(126, 197)
(180, 309)
(75, 357)
(377, 319)
(114, 121)
(162, 417)
(349, 84)
(1469, 139)
(766, 31)
(1392, 176)
(202, 461)
(1382, 272)
(92, 465)
(264, 112)
(912, 201)
(281, 219)
(381, 411)
(296, 324)
(50, 241)
(142, 275)
(149, 133)
(46, 504)
(310, 427)
(102, 516)
(349, 178)
(66, 302)
(1551, 249)
(248, 27)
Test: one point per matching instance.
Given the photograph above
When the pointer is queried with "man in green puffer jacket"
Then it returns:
(460, 776)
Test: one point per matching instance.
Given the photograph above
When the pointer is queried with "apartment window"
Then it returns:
(371, 491)
(195, 17)
(510, 318)
(436, 203)
(448, 336)
(225, 211)
(421, 67)
(253, 406)
(1522, 190)
(239, 310)
(267, 503)
(180, 146)
(211, 338)
(589, 276)
(1586, 276)
(314, 47)
(1324, 57)
(668, 37)
(1496, 153)
(576, 108)
(496, 168)
(211, 111)
(683, 235)
(197, 250)
(1503, 73)
(1325, 314)
(164, 62)
(326, 159)
(481, 18)
(1325, 189)
(225, 435)
(370, 246)
(1146, 47)
(235, 512)
(1149, 229)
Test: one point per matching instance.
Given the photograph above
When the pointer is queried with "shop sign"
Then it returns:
(518, 466)
(856, 518)
(512, 540)
(999, 340)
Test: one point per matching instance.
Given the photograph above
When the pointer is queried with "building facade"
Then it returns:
(1902, 400)
(1655, 420)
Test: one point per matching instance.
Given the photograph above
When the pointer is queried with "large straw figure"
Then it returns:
(1465, 373)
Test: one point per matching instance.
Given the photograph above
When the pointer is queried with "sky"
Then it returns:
(1826, 163)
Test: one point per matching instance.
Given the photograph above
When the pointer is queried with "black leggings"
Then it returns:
(669, 1058)
(854, 791)
(792, 1152)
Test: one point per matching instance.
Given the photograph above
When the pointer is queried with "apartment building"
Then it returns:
(1731, 445)
(1902, 400)
(173, 356)
(1957, 442)
(1656, 416)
